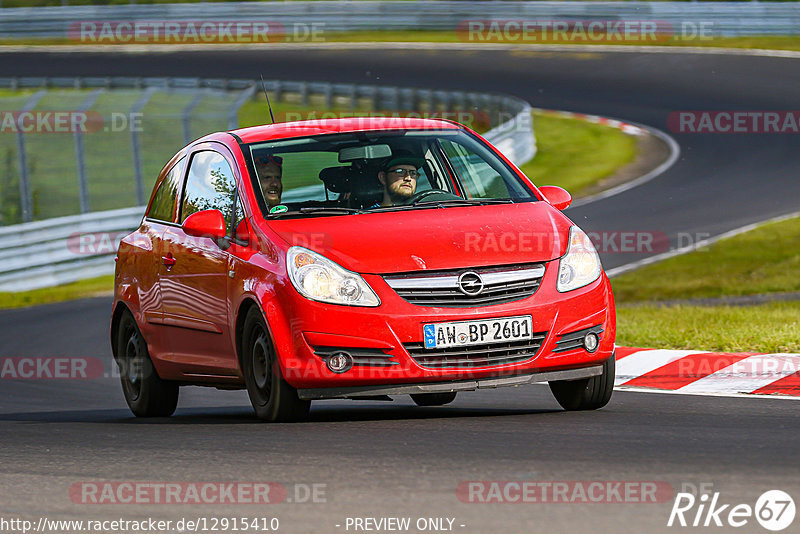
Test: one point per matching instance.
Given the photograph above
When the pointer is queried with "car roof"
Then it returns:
(285, 130)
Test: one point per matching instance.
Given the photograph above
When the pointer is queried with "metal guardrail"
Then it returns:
(62, 250)
(66, 249)
(725, 18)
(106, 118)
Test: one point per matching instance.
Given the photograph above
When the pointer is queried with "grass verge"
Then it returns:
(575, 154)
(764, 260)
(761, 261)
(773, 327)
(102, 285)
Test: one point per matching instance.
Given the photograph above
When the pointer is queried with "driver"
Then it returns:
(269, 169)
(399, 179)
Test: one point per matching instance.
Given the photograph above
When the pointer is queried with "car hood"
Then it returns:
(433, 239)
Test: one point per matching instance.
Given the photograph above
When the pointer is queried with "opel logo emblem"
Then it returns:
(470, 283)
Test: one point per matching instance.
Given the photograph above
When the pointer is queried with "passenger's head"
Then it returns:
(399, 179)
(269, 169)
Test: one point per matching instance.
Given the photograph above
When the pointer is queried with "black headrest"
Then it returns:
(337, 179)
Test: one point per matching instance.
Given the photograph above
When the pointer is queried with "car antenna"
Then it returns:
(264, 87)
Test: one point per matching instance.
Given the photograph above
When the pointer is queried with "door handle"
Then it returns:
(168, 260)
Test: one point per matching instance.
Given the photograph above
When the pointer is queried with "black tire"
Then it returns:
(146, 394)
(273, 399)
(587, 393)
(433, 399)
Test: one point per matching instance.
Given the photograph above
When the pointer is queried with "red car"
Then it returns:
(357, 258)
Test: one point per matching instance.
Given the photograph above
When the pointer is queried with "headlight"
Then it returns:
(580, 265)
(318, 278)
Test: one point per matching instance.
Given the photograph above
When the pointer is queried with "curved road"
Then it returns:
(381, 460)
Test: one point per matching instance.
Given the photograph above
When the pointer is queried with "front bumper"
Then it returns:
(447, 387)
(304, 330)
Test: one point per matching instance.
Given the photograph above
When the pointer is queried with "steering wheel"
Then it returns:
(429, 192)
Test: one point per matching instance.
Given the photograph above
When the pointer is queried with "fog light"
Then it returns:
(591, 341)
(340, 362)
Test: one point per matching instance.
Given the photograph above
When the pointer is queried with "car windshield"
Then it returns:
(364, 172)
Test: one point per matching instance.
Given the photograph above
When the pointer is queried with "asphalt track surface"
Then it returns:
(381, 459)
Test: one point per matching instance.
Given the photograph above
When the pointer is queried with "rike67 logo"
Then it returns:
(774, 510)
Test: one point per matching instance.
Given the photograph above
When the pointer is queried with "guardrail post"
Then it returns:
(376, 99)
(353, 97)
(304, 94)
(413, 100)
(135, 147)
(394, 98)
(83, 186)
(25, 193)
(186, 117)
(233, 112)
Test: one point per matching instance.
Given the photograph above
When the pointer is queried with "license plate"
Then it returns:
(462, 333)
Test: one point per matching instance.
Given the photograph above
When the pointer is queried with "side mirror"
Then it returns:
(557, 196)
(206, 223)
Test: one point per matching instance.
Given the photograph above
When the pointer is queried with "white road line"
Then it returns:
(700, 244)
(637, 389)
(674, 154)
(747, 375)
(641, 363)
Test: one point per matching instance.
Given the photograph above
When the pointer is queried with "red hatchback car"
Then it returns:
(357, 258)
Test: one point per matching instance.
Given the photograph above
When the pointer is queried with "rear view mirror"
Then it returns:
(364, 152)
(557, 196)
(206, 223)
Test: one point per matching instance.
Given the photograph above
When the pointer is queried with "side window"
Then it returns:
(477, 176)
(210, 185)
(163, 206)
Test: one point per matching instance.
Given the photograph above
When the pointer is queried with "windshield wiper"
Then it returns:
(333, 210)
(466, 201)
(316, 210)
(427, 204)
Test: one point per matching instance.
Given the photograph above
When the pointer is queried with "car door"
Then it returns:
(194, 273)
(161, 215)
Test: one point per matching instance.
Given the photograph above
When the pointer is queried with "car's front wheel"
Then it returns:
(273, 399)
(433, 399)
(146, 394)
(586, 393)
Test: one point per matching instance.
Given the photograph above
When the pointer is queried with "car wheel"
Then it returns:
(146, 394)
(433, 399)
(273, 399)
(587, 393)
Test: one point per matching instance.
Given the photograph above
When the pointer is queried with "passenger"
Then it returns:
(269, 169)
(399, 179)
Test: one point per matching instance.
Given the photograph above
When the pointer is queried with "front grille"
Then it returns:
(368, 357)
(486, 355)
(441, 288)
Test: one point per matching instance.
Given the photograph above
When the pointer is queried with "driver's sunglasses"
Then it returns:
(266, 160)
(402, 173)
